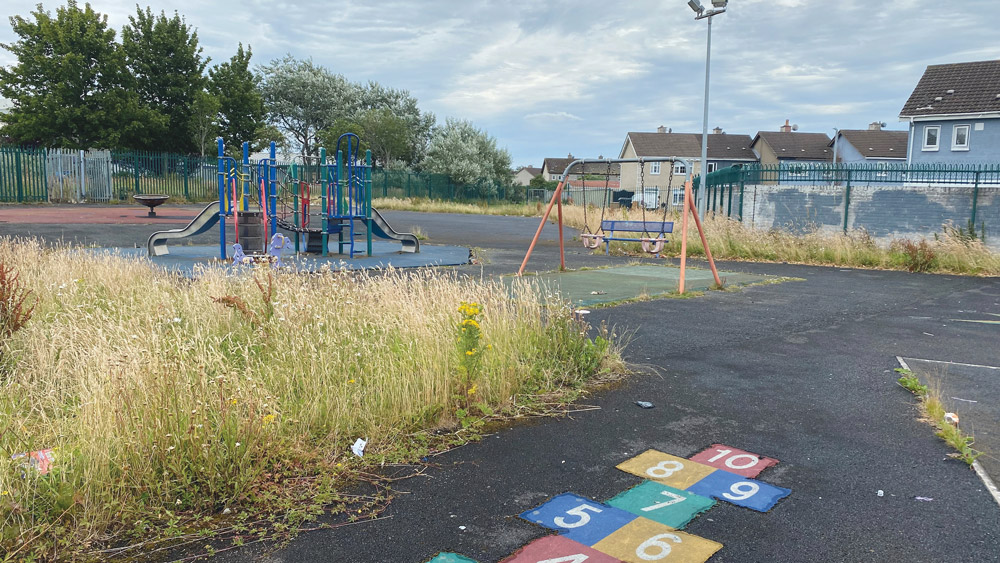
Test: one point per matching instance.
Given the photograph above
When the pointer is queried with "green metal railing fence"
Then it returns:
(22, 175)
(39, 174)
(727, 187)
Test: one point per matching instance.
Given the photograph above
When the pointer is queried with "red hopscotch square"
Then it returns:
(733, 460)
(558, 548)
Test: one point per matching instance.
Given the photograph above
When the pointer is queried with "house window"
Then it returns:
(678, 198)
(712, 167)
(559, 177)
(882, 169)
(931, 135)
(654, 168)
(960, 138)
(679, 168)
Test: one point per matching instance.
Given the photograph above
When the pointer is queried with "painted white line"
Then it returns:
(990, 485)
(987, 481)
(949, 363)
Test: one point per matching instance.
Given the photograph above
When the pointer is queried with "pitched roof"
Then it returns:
(956, 88)
(558, 166)
(797, 146)
(533, 170)
(877, 144)
(720, 146)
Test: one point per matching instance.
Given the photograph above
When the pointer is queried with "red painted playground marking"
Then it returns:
(558, 548)
(733, 460)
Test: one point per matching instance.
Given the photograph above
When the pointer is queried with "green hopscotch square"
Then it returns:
(660, 503)
(445, 557)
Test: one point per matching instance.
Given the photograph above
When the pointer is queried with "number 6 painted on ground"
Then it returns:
(660, 470)
(578, 511)
(654, 542)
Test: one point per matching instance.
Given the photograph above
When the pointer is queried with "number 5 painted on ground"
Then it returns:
(578, 558)
(578, 511)
(662, 471)
(674, 499)
(663, 548)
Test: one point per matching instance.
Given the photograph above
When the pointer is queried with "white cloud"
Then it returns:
(553, 116)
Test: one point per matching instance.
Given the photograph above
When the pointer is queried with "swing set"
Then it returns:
(607, 229)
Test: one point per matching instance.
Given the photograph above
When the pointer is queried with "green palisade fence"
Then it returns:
(22, 175)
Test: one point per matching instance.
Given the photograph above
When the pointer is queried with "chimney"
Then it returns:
(786, 128)
(570, 155)
(661, 129)
(875, 126)
(717, 131)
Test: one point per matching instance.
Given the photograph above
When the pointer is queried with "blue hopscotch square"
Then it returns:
(739, 490)
(660, 503)
(445, 557)
(578, 518)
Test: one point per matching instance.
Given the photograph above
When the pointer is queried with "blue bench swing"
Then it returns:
(608, 228)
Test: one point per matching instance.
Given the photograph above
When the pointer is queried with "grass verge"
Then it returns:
(934, 412)
(729, 239)
(438, 206)
(175, 406)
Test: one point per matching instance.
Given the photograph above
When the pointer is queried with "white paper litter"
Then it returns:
(359, 447)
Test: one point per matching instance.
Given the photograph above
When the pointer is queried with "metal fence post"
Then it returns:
(187, 164)
(135, 170)
(742, 187)
(19, 181)
(847, 199)
(975, 200)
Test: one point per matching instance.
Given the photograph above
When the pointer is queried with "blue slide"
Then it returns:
(205, 220)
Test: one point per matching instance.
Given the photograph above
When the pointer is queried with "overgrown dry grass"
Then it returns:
(165, 396)
(438, 206)
(731, 240)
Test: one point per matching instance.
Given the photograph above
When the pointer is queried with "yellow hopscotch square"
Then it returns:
(643, 540)
(667, 469)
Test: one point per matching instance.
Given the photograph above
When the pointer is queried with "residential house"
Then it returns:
(787, 145)
(873, 145)
(954, 114)
(553, 169)
(663, 183)
(525, 174)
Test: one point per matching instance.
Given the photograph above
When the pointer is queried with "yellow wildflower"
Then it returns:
(469, 352)
(350, 381)
(472, 390)
(232, 401)
(268, 419)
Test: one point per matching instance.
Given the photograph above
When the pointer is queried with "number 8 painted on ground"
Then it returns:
(660, 470)
(654, 542)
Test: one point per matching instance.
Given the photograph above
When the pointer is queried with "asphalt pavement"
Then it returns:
(799, 371)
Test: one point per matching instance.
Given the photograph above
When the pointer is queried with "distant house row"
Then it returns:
(953, 116)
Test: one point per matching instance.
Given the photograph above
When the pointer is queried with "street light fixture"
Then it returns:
(718, 7)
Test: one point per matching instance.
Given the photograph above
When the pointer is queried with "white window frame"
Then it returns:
(937, 131)
(954, 137)
(677, 198)
(882, 169)
(654, 168)
(712, 166)
(679, 168)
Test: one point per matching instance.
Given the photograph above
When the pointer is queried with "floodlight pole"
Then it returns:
(703, 185)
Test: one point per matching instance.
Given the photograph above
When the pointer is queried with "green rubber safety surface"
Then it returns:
(622, 283)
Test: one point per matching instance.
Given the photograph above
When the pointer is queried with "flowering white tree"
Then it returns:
(469, 155)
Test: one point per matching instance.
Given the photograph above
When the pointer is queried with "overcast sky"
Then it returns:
(550, 78)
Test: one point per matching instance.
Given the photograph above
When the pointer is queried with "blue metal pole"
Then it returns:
(272, 178)
(246, 173)
(366, 201)
(324, 185)
(221, 175)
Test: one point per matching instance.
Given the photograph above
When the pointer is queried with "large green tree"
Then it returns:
(303, 98)
(204, 121)
(394, 115)
(469, 155)
(241, 107)
(167, 72)
(66, 86)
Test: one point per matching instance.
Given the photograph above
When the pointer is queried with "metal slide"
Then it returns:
(381, 229)
(208, 218)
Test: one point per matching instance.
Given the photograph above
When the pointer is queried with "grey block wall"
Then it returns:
(886, 212)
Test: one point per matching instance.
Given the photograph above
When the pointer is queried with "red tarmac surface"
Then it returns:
(98, 214)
